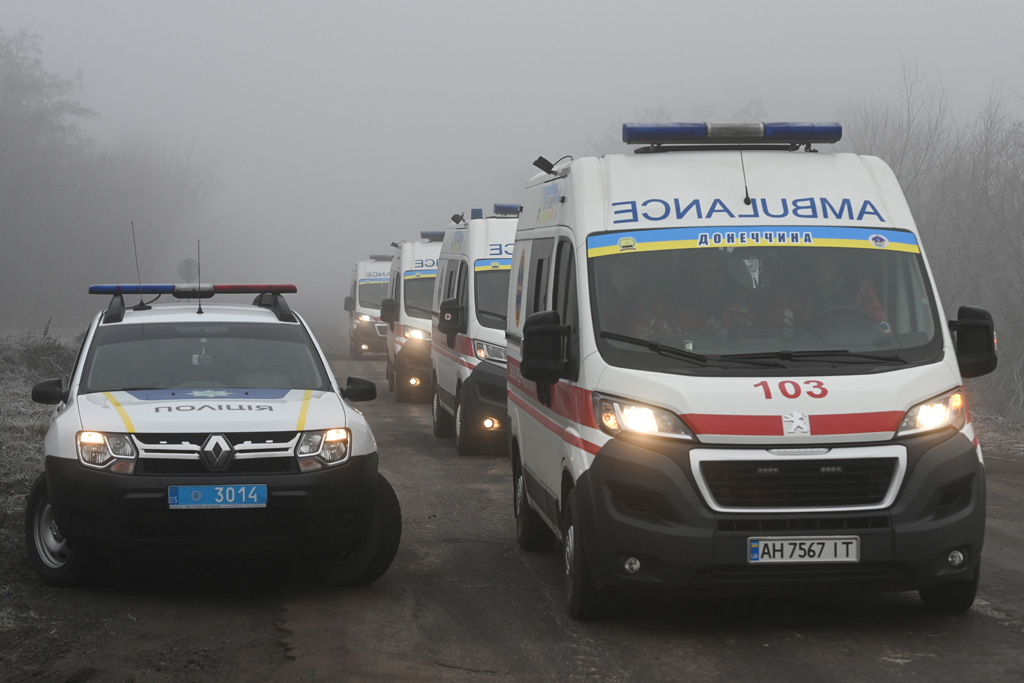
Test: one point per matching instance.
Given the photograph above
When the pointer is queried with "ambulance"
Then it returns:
(468, 333)
(406, 310)
(366, 332)
(729, 368)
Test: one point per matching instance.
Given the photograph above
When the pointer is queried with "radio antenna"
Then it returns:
(743, 166)
(199, 275)
(141, 306)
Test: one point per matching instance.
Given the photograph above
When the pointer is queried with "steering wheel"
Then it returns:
(845, 324)
(831, 312)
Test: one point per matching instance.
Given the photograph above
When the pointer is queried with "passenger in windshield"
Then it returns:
(714, 300)
(632, 300)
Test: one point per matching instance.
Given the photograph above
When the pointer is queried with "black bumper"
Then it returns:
(367, 333)
(485, 394)
(641, 501)
(111, 513)
(413, 360)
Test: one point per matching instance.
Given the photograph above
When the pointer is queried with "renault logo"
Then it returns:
(217, 452)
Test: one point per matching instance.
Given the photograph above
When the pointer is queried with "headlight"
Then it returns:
(329, 446)
(414, 333)
(101, 450)
(948, 410)
(615, 416)
(485, 351)
(365, 318)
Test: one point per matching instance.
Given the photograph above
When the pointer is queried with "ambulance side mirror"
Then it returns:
(49, 392)
(451, 318)
(350, 305)
(359, 389)
(389, 310)
(544, 353)
(975, 339)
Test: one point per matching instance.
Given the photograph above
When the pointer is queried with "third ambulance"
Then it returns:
(728, 367)
(367, 334)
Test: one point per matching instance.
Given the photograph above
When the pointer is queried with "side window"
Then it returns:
(540, 260)
(462, 290)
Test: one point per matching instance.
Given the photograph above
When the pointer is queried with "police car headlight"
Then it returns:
(415, 333)
(616, 415)
(948, 410)
(102, 450)
(365, 318)
(329, 446)
(485, 351)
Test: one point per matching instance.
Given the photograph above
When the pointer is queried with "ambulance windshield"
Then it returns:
(692, 298)
(419, 293)
(372, 293)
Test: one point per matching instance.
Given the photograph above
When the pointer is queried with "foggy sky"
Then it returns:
(339, 127)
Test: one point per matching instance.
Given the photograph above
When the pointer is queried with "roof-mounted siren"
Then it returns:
(781, 133)
(380, 257)
(476, 214)
(507, 209)
(432, 235)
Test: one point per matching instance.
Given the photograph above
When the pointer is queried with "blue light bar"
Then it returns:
(476, 214)
(730, 133)
(131, 289)
(380, 257)
(507, 209)
(432, 235)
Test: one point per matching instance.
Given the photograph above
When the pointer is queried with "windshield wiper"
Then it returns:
(835, 355)
(670, 351)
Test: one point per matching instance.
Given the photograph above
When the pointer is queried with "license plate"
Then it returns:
(215, 496)
(800, 549)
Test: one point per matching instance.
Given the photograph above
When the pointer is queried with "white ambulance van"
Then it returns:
(468, 337)
(728, 366)
(366, 332)
(406, 310)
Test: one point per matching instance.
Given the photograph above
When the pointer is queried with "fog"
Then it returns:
(327, 130)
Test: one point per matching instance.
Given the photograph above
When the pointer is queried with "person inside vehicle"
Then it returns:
(714, 300)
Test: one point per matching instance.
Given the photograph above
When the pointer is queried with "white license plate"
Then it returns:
(800, 549)
(215, 496)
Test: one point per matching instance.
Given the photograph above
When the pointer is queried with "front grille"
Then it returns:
(799, 483)
(254, 453)
(382, 329)
(828, 524)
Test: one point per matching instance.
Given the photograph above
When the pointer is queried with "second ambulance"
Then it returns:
(728, 367)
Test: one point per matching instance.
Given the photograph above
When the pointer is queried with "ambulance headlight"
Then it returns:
(485, 351)
(364, 318)
(616, 415)
(102, 450)
(948, 410)
(415, 333)
(330, 446)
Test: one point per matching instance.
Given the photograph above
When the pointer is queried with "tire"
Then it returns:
(391, 378)
(444, 425)
(467, 441)
(367, 559)
(54, 558)
(531, 532)
(955, 597)
(582, 598)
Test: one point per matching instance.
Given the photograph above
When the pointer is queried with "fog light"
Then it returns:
(415, 381)
(632, 565)
(490, 423)
(365, 347)
(956, 558)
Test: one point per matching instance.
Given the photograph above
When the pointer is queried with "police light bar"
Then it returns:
(192, 291)
(432, 235)
(730, 133)
(507, 209)
(380, 257)
(476, 214)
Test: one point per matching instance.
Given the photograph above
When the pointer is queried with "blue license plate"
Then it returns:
(217, 496)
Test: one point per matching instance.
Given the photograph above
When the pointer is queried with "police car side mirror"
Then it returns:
(975, 339)
(359, 389)
(350, 305)
(451, 318)
(49, 392)
(389, 310)
(544, 354)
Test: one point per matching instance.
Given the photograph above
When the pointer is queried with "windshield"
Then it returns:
(492, 292)
(736, 298)
(372, 292)
(202, 356)
(419, 294)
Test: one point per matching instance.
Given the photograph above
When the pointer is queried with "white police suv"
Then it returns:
(216, 427)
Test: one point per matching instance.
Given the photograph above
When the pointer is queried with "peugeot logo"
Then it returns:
(795, 423)
(217, 452)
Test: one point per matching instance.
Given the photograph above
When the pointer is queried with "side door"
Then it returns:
(444, 363)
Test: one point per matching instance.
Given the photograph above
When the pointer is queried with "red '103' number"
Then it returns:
(814, 388)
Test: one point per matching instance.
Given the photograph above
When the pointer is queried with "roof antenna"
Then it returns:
(746, 192)
(199, 275)
(141, 306)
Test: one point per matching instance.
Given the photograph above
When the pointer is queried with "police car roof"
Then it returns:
(188, 312)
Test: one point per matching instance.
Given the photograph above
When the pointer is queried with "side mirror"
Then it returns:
(350, 304)
(452, 317)
(544, 341)
(359, 389)
(975, 340)
(49, 392)
(389, 310)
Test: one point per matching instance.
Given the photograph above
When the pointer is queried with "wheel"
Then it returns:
(53, 556)
(467, 441)
(367, 559)
(444, 425)
(391, 377)
(582, 598)
(955, 597)
(531, 532)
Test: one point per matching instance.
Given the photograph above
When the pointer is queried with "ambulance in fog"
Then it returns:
(366, 332)
(728, 367)
(406, 310)
(468, 337)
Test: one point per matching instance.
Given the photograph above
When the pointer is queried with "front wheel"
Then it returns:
(52, 555)
(582, 598)
(531, 532)
(366, 560)
(442, 420)
(955, 597)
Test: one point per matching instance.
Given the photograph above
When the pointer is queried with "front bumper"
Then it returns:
(111, 513)
(639, 499)
(484, 394)
(373, 334)
(413, 360)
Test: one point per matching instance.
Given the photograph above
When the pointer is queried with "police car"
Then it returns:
(210, 426)
(366, 332)
(728, 367)
(468, 336)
